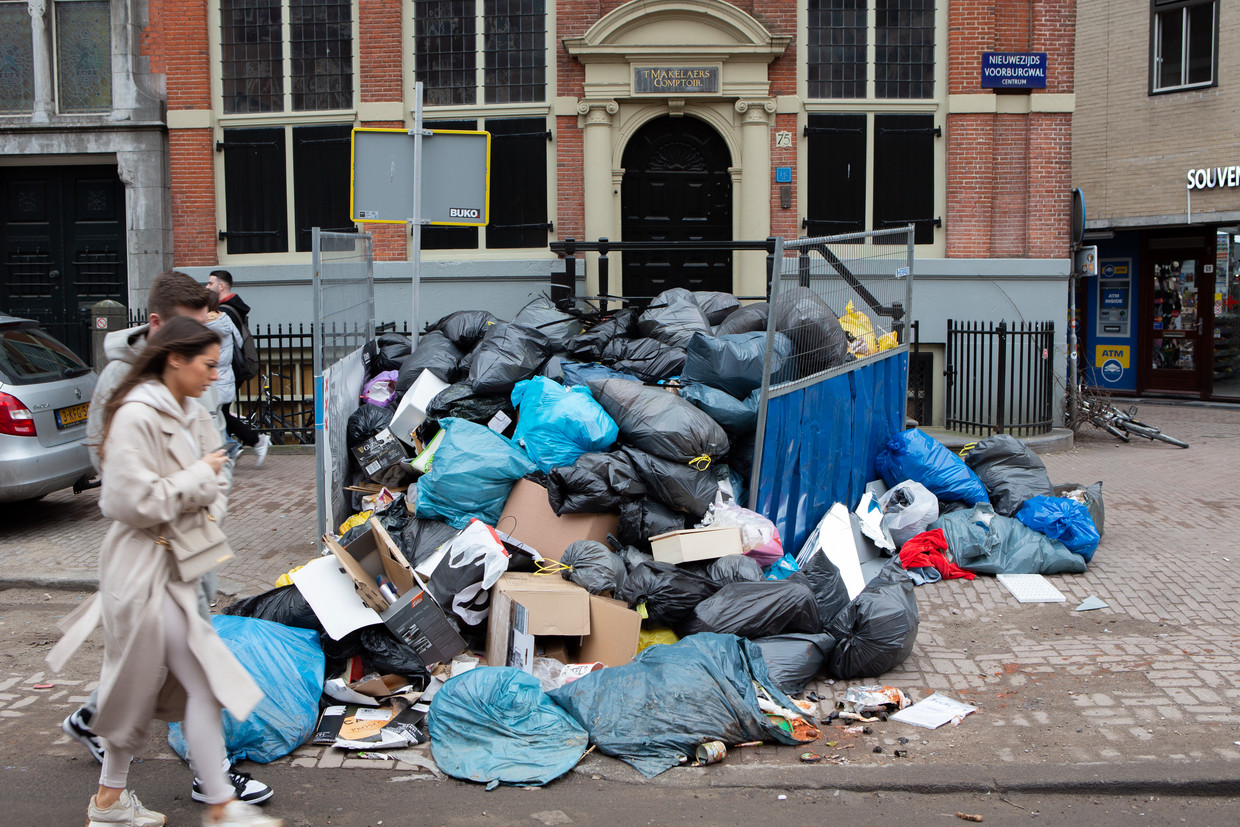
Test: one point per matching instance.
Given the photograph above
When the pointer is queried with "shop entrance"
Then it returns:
(1178, 323)
(676, 188)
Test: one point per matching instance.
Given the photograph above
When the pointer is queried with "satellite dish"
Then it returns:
(1077, 231)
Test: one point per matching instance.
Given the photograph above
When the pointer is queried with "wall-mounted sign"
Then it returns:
(675, 80)
(1013, 70)
(1211, 177)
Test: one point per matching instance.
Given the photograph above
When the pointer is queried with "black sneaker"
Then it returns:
(248, 790)
(77, 727)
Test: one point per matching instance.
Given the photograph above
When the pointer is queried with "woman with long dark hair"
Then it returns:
(161, 658)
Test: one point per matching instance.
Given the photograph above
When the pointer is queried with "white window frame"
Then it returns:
(1160, 9)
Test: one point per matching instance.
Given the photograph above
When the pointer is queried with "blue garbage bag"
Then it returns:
(988, 543)
(496, 724)
(783, 568)
(669, 699)
(912, 455)
(1064, 520)
(555, 425)
(287, 664)
(471, 476)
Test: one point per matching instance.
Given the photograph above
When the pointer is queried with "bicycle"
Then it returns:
(1096, 409)
(270, 415)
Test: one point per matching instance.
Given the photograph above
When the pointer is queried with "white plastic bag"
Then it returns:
(759, 536)
(474, 553)
(908, 509)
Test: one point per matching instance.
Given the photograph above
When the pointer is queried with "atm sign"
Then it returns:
(1105, 353)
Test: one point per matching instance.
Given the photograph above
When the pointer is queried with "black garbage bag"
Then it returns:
(715, 305)
(677, 485)
(1090, 495)
(734, 362)
(365, 422)
(462, 402)
(588, 346)
(818, 341)
(735, 416)
(1011, 472)
(648, 359)
(595, 483)
(877, 630)
(670, 593)
(464, 328)
(421, 538)
(825, 580)
(631, 555)
(740, 458)
(747, 319)
(283, 604)
(756, 609)
(645, 518)
(385, 352)
(731, 568)
(434, 353)
(387, 654)
(542, 315)
(507, 354)
(672, 318)
(794, 660)
(593, 566)
(657, 421)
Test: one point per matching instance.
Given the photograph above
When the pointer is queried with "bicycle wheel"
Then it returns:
(1151, 433)
(1111, 429)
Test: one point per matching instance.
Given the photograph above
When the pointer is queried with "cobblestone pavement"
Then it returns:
(1154, 679)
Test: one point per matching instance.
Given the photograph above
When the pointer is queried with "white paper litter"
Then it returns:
(933, 712)
(1031, 588)
(1090, 603)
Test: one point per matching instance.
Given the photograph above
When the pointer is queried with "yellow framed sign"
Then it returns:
(455, 177)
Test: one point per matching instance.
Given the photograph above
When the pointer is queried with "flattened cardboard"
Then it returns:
(554, 605)
(614, 633)
(380, 451)
(528, 518)
(696, 544)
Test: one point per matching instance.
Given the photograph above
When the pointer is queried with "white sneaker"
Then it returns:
(240, 814)
(127, 810)
(260, 449)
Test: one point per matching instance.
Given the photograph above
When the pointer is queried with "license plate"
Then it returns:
(66, 417)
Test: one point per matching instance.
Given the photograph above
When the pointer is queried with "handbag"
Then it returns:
(197, 546)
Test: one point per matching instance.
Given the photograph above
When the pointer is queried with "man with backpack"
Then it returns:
(244, 358)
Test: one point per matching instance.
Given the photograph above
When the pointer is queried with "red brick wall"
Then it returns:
(193, 196)
(1009, 175)
(570, 219)
(184, 54)
(784, 222)
(380, 50)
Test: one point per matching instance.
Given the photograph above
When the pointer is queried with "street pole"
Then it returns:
(415, 221)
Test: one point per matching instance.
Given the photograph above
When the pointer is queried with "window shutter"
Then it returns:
(835, 183)
(255, 206)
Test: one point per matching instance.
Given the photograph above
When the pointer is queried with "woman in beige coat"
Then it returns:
(161, 658)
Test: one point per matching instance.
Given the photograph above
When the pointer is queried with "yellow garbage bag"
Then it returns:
(286, 579)
(354, 521)
(859, 326)
(654, 637)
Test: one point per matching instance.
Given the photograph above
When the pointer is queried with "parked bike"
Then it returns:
(1118, 422)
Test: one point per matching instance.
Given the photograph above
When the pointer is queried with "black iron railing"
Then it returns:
(920, 405)
(999, 377)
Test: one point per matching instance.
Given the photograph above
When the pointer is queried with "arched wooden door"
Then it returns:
(676, 188)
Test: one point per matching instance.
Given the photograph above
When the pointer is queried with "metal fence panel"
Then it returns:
(1000, 377)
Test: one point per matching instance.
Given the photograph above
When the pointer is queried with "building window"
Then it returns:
(511, 35)
(16, 59)
(840, 151)
(518, 212)
(83, 56)
(1183, 44)
(839, 34)
(259, 187)
(319, 55)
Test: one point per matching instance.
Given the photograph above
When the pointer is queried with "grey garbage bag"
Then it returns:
(595, 483)
(644, 518)
(757, 609)
(677, 485)
(984, 542)
(1011, 472)
(736, 416)
(464, 328)
(507, 354)
(818, 341)
(434, 353)
(731, 568)
(659, 707)
(749, 318)
(717, 306)
(1090, 496)
(669, 593)
(588, 346)
(793, 660)
(672, 318)
(542, 315)
(827, 583)
(877, 630)
(593, 566)
(733, 362)
(660, 422)
(648, 359)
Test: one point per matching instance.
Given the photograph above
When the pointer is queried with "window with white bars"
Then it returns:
(1183, 44)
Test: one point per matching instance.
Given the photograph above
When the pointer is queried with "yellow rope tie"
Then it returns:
(700, 463)
(548, 566)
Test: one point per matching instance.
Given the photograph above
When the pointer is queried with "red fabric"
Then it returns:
(926, 550)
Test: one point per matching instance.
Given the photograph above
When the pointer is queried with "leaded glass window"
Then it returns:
(16, 59)
(321, 45)
(515, 49)
(839, 35)
(445, 50)
(252, 49)
(904, 49)
(84, 55)
(836, 48)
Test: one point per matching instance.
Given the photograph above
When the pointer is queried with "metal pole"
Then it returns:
(1002, 381)
(1073, 388)
(764, 397)
(415, 220)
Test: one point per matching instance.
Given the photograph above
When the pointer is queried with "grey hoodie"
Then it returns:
(122, 347)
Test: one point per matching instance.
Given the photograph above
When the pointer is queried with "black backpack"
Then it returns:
(245, 358)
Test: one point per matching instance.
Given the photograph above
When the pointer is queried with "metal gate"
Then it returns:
(1000, 377)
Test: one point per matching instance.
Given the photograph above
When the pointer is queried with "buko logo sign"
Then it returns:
(1211, 177)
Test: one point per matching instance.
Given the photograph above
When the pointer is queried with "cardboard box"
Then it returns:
(415, 617)
(411, 412)
(614, 633)
(382, 450)
(528, 518)
(553, 606)
(696, 544)
(394, 724)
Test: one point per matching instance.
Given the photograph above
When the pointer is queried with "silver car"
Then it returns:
(44, 398)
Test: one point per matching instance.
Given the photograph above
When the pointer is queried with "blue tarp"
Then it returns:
(821, 443)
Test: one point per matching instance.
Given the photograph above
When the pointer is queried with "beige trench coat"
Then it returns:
(152, 476)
